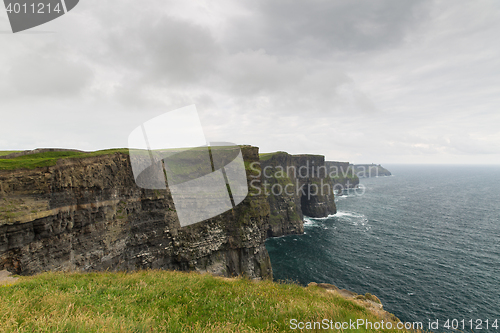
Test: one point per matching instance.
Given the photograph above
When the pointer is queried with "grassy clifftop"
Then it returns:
(166, 301)
(49, 158)
(8, 152)
(45, 159)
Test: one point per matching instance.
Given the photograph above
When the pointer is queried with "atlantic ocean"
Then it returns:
(426, 241)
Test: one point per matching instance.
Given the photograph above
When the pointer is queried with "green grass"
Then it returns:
(164, 301)
(46, 159)
(7, 152)
(267, 156)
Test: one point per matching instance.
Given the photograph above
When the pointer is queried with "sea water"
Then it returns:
(426, 241)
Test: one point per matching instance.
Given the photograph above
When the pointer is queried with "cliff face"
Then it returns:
(285, 210)
(343, 175)
(296, 185)
(87, 214)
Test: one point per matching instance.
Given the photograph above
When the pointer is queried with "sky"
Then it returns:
(361, 81)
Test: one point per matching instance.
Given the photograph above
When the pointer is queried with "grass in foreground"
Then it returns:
(164, 301)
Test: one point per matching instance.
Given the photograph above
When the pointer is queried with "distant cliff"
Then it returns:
(370, 170)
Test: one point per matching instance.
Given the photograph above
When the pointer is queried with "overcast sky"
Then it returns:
(361, 81)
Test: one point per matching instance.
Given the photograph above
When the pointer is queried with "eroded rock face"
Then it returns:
(296, 185)
(87, 214)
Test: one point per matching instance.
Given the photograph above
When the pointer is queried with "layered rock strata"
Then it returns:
(87, 214)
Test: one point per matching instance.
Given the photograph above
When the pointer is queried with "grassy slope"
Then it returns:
(49, 158)
(164, 301)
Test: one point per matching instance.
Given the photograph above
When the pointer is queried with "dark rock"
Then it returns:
(343, 175)
(297, 185)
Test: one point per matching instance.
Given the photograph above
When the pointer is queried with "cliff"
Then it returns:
(343, 175)
(65, 210)
(370, 170)
(296, 185)
(87, 214)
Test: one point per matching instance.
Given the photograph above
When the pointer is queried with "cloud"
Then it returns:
(476, 144)
(48, 76)
(167, 51)
(322, 26)
(373, 81)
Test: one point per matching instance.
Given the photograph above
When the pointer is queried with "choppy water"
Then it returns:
(426, 241)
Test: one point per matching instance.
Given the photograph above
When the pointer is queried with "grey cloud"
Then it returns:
(155, 51)
(467, 144)
(48, 76)
(318, 26)
(165, 50)
(370, 81)
(257, 79)
(155, 59)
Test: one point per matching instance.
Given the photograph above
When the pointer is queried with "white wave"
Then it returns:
(324, 218)
(348, 214)
(354, 219)
(344, 196)
(307, 221)
(312, 222)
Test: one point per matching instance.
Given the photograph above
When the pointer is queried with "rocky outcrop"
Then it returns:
(371, 302)
(296, 185)
(6, 278)
(87, 214)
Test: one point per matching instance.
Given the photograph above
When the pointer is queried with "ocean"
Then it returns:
(426, 241)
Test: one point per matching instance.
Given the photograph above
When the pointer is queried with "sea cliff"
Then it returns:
(370, 170)
(343, 175)
(85, 213)
(296, 185)
(66, 210)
